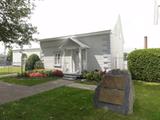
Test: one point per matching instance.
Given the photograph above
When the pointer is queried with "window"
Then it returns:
(58, 59)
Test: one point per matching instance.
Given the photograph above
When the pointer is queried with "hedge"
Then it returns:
(144, 64)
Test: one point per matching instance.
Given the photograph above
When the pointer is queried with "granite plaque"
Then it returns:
(113, 96)
(114, 82)
(115, 92)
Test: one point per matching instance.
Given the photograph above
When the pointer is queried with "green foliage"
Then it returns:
(66, 103)
(92, 76)
(41, 73)
(49, 73)
(144, 64)
(84, 73)
(96, 77)
(89, 76)
(39, 65)
(24, 74)
(27, 81)
(10, 56)
(14, 25)
(30, 63)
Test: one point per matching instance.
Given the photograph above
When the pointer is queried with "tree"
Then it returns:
(30, 63)
(10, 56)
(14, 25)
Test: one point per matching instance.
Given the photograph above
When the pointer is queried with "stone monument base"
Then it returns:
(115, 92)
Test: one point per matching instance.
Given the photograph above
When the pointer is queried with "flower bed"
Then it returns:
(37, 75)
(57, 73)
(42, 73)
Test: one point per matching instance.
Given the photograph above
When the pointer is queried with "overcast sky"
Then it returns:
(64, 17)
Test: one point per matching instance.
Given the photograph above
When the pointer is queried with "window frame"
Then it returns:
(57, 59)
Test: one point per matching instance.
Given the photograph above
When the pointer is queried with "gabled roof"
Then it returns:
(76, 41)
(82, 45)
(77, 35)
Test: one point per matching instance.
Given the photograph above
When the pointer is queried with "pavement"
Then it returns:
(82, 86)
(11, 92)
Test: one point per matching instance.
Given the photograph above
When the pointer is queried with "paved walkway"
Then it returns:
(82, 86)
(12, 92)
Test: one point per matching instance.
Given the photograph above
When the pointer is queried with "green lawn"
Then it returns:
(27, 81)
(9, 70)
(74, 104)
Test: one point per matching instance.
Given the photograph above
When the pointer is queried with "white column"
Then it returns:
(72, 60)
(86, 50)
(80, 60)
(63, 59)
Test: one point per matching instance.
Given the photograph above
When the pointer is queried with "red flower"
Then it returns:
(37, 75)
(58, 73)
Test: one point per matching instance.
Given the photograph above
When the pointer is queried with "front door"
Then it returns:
(68, 61)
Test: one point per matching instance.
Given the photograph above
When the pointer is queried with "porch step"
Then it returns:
(70, 76)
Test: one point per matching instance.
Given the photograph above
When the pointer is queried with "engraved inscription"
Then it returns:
(111, 82)
(113, 96)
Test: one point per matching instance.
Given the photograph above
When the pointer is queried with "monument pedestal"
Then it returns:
(115, 92)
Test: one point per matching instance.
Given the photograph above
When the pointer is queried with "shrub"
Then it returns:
(39, 65)
(96, 76)
(24, 74)
(89, 76)
(37, 74)
(83, 75)
(31, 62)
(57, 73)
(47, 73)
(144, 64)
(93, 76)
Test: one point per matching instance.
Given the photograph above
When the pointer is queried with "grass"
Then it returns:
(74, 104)
(27, 81)
(9, 70)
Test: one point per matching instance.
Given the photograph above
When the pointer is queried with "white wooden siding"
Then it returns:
(28, 52)
(99, 46)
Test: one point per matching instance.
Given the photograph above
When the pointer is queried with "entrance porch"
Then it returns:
(74, 56)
